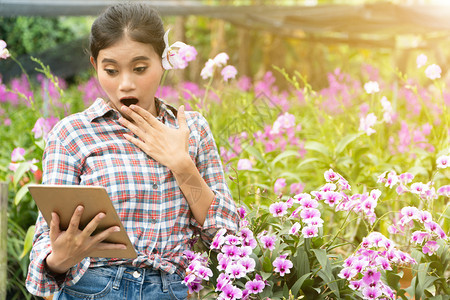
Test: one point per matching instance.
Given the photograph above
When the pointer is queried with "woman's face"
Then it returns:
(129, 72)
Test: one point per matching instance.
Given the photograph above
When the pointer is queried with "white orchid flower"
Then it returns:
(170, 57)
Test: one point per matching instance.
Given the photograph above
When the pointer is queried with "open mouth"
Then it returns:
(128, 101)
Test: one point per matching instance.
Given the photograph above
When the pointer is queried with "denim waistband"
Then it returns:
(136, 274)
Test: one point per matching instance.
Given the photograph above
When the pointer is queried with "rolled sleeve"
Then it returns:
(222, 213)
(59, 168)
(39, 281)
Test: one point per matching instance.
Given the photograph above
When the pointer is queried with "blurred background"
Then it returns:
(312, 58)
(313, 37)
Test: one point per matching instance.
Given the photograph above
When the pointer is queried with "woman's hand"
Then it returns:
(73, 245)
(168, 146)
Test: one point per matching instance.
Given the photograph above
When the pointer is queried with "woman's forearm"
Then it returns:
(197, 193)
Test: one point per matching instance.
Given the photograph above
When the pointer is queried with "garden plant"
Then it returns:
(342, 192)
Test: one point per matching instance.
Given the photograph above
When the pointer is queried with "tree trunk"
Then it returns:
(244, 52)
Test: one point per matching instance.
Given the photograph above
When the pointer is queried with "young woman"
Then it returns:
(160, 166)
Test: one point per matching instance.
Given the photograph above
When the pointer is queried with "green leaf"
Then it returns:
(255, 153)
(283, 155)
(20, 194)
(285, 291)
(318, 147)
(302, 262)
(307, 162)
(345, 141)
(40, 143)
(28, 242)
(267, 265)
(321, 256)
(298, 284)
(21, 170)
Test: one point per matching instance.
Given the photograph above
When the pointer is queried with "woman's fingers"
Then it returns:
(110, 246)
(93, 224)
(54, 227)
(101, 236)
(74, 224)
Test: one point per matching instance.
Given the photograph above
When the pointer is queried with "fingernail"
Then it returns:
(101, 215)
(123, 247)
(80, 208)
(116, 229)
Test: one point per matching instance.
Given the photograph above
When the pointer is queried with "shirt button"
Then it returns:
(155, 186)
(136, 274)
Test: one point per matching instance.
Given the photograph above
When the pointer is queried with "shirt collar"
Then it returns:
(100, 108)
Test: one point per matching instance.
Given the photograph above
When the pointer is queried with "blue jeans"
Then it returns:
(125, 282)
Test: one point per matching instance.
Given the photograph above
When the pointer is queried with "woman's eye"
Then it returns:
(111, 71)
(140, 69)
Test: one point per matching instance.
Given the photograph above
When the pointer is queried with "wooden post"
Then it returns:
(3, 237)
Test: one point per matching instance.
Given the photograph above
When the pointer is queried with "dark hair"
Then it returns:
(137, 20)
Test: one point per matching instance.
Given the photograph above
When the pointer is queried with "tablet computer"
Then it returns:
(64, 199)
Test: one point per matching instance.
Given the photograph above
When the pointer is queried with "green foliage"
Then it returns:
(30, 35)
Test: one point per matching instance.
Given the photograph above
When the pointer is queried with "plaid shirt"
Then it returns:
(88, 148)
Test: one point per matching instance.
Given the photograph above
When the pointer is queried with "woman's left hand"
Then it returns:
(168, 146)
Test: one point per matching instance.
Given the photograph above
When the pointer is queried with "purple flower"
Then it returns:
(244, 83)
(187, 53)
(229, 72)
(371, 276)
(371, 293)
(430, 247)
(195, 287)
(224, 261)
(348, 273)
(208, 69)
(444, 191)
(250, 242)
(433, 72)
(221, 59)
(297, 188)
(331, 176)
(268, 242)
(235, 270)
(309, 213)
(295, 228)
(244, 164)
(310, 231)
(246, 233)
(355, 284)
(419, 236)
(241, 211)
(4, 53)
(222, 281)
(367, 123)
(443, 162)
(232, 240)
(248, 263)
(255, 286)
(18, 154)
(204, 272)
(421, 60)
(278, 209)
(309, 203)
(282, 265)
(280, 183)
(405, 178)
(43, 126)
(231, 251)
(230, 292)
(332, 198)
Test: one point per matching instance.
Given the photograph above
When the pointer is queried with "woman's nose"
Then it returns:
(126, 82)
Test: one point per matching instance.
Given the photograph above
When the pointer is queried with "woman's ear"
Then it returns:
(93, 63)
